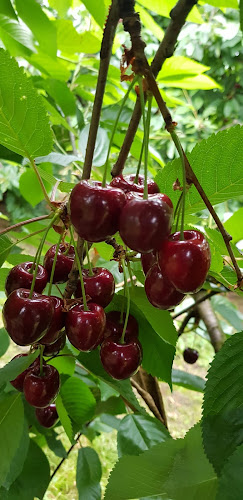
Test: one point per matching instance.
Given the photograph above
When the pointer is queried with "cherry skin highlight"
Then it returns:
(27, 320)
(144, 224)
(160, 291)
(18, 382)
(56, 347)
(148, 260)
(95, 210)
(20, 277)
(40, 391)
(121, 361)
(114, 327)
(57, 322)
(85, 328)
(48, 416)
(190, 355)
(185, 262)
(127, 184)
(100, 287)
(63, 264)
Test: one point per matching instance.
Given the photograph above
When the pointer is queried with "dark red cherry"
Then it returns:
(95, 210)
(121, 361)
(21, 277)
(57, 322)
(145, 223)
(85, 328)
(190, 355)
(127, 184)
(56, 347)
(160, 291)
(18, 382)
(65, 258)
(100, 287)
(185, 262)
(114, 326)
(27, 320)
(41, 390)
(47, 416)
(148, 260)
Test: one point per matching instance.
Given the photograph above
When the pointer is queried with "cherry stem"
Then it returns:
(24, 223)
(42, 347)
(135, 181)
(181, 154)
(88, 259)
(127, 292)
(115, 127)
(79, 270)
(130, 273)
(32, 162)
(54, 265)
(146, 141)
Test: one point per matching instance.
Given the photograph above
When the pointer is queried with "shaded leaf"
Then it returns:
(16, 366)
(17, 463)
(231, 480)
(78, 400)
(188, 380)
(11, 430)
(88, 474)
(101, 145)
(138, 433)
(4, 341)
(64, 418)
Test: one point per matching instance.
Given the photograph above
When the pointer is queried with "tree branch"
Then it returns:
(203, 297)
(211, 322)
(147, 399)
(24, 223)
(64, 458)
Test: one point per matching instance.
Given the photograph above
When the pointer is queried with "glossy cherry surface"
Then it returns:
(21, 277)
(148, 260)
(100, 287)
(57, 322)
(185, 262)
(40, 391)
(56, 347)
(127, 184)
(18, 382)
(145, 223)
(65, 258)
(85, 328)
(47, 416)
(160, 291)
(27, 320)
(190, 355)
(114, 327)
(95, 210)
(121, 361)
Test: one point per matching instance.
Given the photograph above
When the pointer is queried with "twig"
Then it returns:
(150, 384)
(211, 322)
(24, 223)
(64, 458)
(32, 162)
(207, 296)
(191, 314)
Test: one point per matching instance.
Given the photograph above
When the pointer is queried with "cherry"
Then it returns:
(114, 327)
(65, 258)
(41, 390)
(57, 322)
(148, 260)
(160, 291)
(100, 287)
(121, 361)
(145, 223)
(21, 277)
(190, 355)
(95, 210)
(18, 382)
(56, 347)
(127, 184)
(27, 320)
(48, 416)
(185, 262)
(85, 328)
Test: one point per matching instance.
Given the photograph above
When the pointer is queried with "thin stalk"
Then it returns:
(139, 163)
(128, 302)
(24, 223)
(181, 154)
(54, 264)
(42, 347)
(142, 101)
(41, 183)
(115, 127)
(130, 273)
(25, 238)
(88, 259)
(80, 271)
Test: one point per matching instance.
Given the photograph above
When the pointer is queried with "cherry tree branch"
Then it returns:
(64, 458)
(211, 322)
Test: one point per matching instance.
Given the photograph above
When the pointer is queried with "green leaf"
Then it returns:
(64, 364)
(4, 341)
(219, 184)
(55, 444)
(3, 276)
(97, 10)
(26, 131)
(61, 94)
(177, 469)
(78, 400)
(163, 9)
(138, 433)
(101, 145)
(11, 430)
(7, 9)
(64, 418)
(188, 380)
(230, 4)
(36, 19)
(29, 186)
(58, 159)
(5, 245)
(52, 67)
(223, 409)
(234, 225)
(88, 474)
(16, 366)
(203, 82)
(17, 463)
(16, 31)
(61, 6)
(148, 22)
(181, 67)
(6, 154)
(228, 278)
(231, 479)
(241, 14)
(228, 311)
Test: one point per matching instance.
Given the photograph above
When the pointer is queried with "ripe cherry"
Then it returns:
(21, 277)
(190, 355)
(145, 223)
(114, 326)
(65, 258)
(18, 382)
(160, 291)
(56, 347)
(148, 260)
(85, 328)
(185, 262)
(121, 361)
(27, 320)
(41, 390)
(48, 416)
(100, 286)
(95, 210)
(127, 184)
(57, 322)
